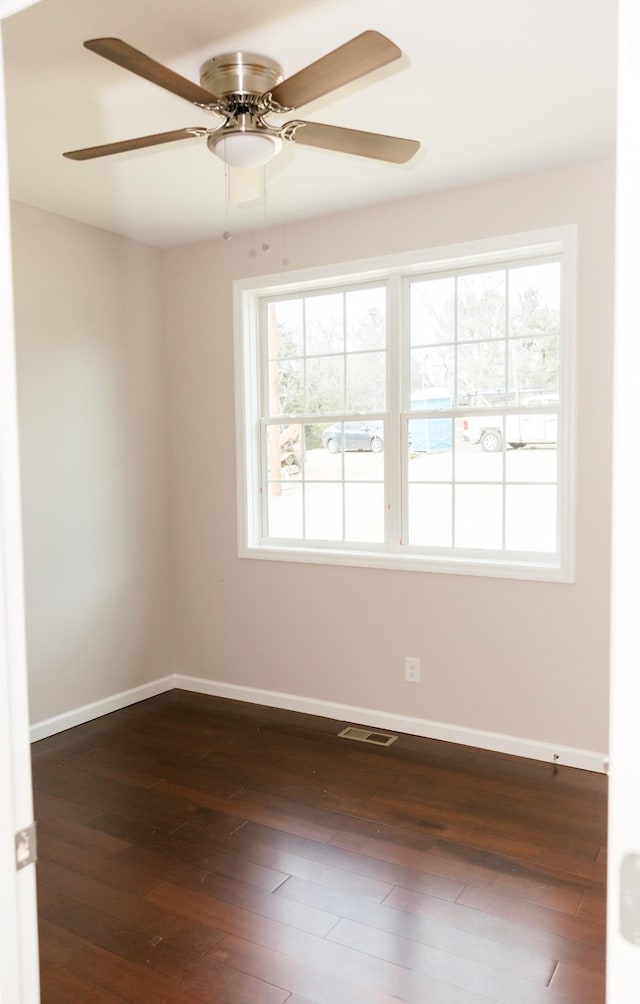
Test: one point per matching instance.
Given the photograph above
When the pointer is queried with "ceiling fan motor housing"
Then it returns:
(240, 73)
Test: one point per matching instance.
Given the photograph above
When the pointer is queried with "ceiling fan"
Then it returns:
(244, 89)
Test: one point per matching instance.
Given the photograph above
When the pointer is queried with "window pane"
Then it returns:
(431, 399)
(481, 306)
(284, 488)
(534, 365)
(479, 449)
(284, 510)
(532, 463)
(286, 387)
(531, 518)
(325, 385)
(346, 437)
(534, 300)
(285, 328)
(366, 319)
(321, 461)
(323, 511)
(366, 382)
(432, 367)
(430, 466)
(364, 512)
(430, 517)
(366, 464)
(478, 516)
(430, 435)
(324, 324)
(481, 374)
(284, 451)
(432, 311)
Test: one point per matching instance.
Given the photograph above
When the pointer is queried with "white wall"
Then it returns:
(519, 658)
(92, 435)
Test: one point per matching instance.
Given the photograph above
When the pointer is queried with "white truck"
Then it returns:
(536, 428)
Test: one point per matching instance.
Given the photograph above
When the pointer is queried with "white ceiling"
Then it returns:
(489, 87)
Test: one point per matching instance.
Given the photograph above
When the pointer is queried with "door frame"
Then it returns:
(623, 956)
(19, 969)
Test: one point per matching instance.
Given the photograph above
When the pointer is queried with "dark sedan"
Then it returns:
(344, 436)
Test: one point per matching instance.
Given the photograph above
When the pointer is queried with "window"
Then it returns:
(414, 412)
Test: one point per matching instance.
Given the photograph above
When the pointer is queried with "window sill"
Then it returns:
(494, 567)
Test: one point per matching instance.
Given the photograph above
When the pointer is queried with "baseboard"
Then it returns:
(495, 741)
(78, 716)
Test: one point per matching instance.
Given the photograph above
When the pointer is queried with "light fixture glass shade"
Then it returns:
(246, 149)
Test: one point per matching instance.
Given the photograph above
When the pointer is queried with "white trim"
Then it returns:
(87, 713)
(623, 956)
(532, 243)
(19, 971)
(496, 742)
(489, 567)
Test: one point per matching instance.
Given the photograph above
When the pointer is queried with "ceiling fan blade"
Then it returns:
(362, 144)
(131, 59)
(132, 144)
(364, 53)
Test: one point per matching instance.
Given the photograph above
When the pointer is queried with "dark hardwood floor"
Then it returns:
(195, 850)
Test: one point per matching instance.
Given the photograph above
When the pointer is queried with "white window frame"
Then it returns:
(248, 293)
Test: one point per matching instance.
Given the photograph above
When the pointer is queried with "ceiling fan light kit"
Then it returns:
(245, 149)
(245, 88)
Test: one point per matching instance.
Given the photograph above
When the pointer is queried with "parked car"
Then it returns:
(519, 430)
(345, 436)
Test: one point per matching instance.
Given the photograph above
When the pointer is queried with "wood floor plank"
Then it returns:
(264, 844)
(89, 924)
(142, 805)
(57, 945)
(311, 865)
(482, 870)
(278, 813)
(286, 939)
(313, 984)
(258, 912)
(533, 914)
(47, 806)
(517, 960)
(204, 975)
(440, 965)
(115, 974)
(86, 836)
(565, 942)
(128, 777)
(562, 900)
(111, 870)
(148, 920)
(160, 854)
(197, 850)
(295, 913)
(58, 986)
(581, 984)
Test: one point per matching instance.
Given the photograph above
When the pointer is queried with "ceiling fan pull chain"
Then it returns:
(265, 244)
(227, 198)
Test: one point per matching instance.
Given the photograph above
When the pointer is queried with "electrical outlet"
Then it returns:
(411, 669)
